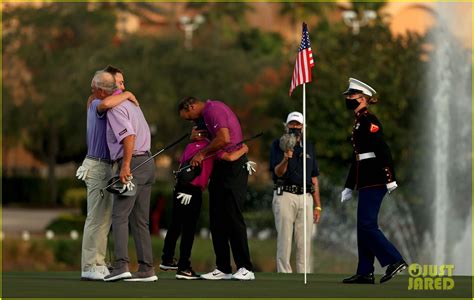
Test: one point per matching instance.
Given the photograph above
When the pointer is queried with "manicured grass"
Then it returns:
(267, 285)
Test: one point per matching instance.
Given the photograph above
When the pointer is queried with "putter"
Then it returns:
(209, 156)
(144, 162)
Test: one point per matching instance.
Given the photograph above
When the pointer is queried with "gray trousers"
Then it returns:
(134, 210)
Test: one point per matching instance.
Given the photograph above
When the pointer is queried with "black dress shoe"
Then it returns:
(393, 270)
(364, 279)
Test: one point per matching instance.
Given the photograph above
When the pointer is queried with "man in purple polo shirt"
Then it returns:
(227, 187)
(95, 171)
(128, 139)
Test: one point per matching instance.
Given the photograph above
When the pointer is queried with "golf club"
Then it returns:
(144, 162)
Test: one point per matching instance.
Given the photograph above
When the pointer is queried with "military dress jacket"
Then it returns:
(367, 139)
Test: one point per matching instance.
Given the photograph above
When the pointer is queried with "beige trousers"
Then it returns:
(99, 214)
(288, 210)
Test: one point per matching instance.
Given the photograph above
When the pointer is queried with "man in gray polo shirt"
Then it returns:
(129, 140)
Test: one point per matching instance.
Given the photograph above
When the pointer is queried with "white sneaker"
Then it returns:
(103, 269)
(93, 274)
(243, 274)
(216, 275)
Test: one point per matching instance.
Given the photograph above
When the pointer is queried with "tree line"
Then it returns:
(50, 54)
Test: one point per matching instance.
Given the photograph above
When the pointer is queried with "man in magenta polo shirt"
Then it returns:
(129, 141)
(227, 187)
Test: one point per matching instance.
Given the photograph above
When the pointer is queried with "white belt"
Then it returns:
(363, 156)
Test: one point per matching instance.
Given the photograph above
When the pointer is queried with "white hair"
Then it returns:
(104, 81)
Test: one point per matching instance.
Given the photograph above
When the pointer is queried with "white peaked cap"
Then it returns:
(356, 86)
(295, 116)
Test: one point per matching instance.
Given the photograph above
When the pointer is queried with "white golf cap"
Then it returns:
(295, 116)
(357, 86)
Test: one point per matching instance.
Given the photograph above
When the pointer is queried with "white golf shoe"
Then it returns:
(243, 274)
(216, 275)
(95, 273)
(103, 269)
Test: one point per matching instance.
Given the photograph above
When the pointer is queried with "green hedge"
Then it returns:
(65, 223)
(62, 253)
(33, 191)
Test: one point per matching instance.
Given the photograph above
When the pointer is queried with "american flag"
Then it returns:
(304, 62)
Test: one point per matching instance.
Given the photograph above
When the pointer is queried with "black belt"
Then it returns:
(105, 160)
(296, 189)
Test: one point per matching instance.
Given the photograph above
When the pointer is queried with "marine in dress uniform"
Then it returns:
(372, 174)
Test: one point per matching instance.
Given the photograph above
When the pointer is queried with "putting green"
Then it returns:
(267, 285)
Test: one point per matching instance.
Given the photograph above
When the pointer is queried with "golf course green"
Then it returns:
(267, 285)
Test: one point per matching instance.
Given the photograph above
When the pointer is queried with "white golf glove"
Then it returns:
(391, 186)
(128, 186)
(185, 198)
(81, 173)
(250, 165)
(346, 195)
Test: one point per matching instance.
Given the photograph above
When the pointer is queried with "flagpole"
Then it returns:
(302, 75)
(304, 179)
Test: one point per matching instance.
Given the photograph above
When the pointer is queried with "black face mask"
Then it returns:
(294, 131)
(352, 104)
(200, 124)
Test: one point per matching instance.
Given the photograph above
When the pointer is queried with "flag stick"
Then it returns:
(304, 178)
(302, 75)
